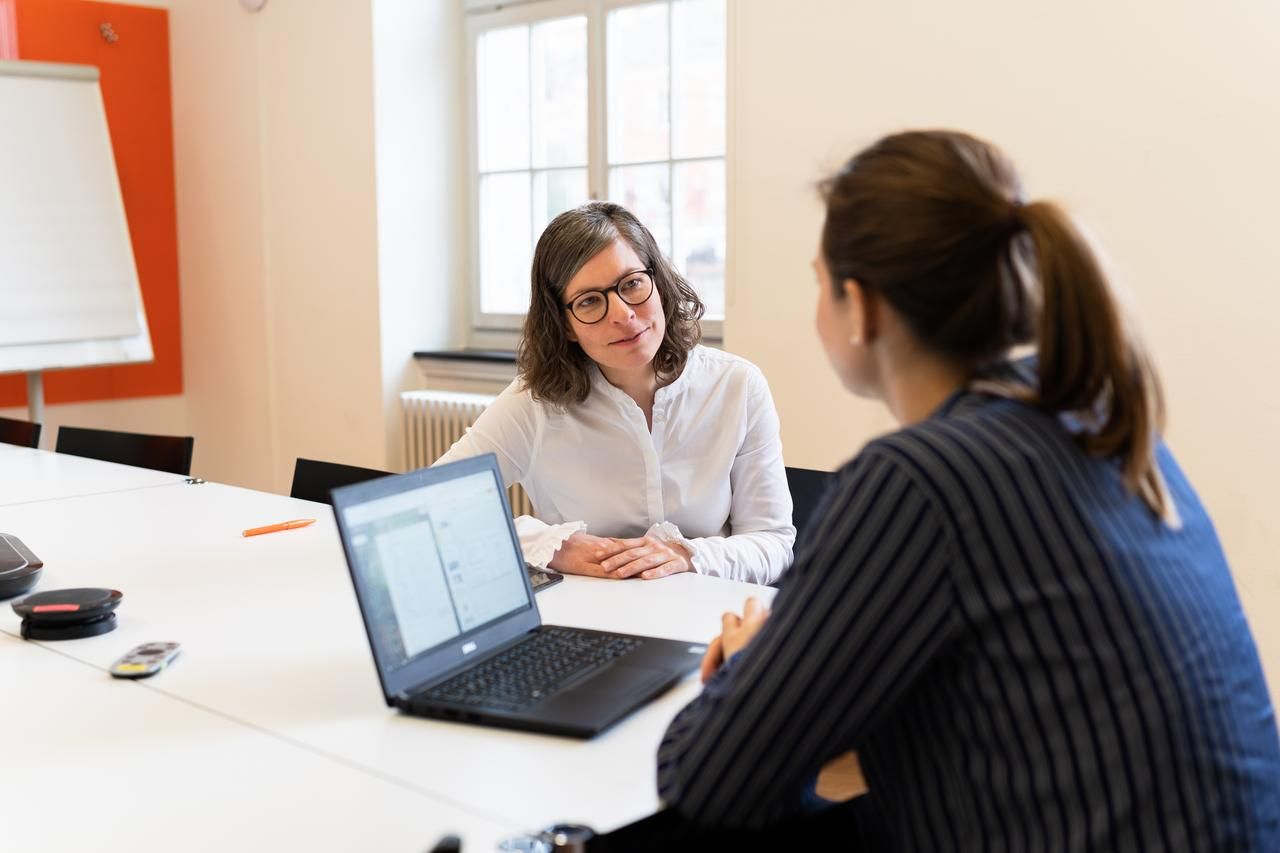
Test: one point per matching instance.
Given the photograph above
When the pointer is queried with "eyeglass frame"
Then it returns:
(616, 288)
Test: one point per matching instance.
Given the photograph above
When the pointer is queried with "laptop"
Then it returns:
(452, 621)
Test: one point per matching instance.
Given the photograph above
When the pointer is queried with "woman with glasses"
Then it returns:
(644, 454)
(1015, 608)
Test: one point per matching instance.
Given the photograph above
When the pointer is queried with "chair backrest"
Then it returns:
(313, 480)
(807, 488)
(24, 433)
(158, 452)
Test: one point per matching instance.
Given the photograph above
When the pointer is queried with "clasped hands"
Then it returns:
(646, 557)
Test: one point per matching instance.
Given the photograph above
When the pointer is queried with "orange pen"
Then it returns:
(284, 525)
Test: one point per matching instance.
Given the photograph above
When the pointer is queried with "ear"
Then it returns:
(864, 308)
(569, 332)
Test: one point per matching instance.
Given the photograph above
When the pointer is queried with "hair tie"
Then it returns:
(1013, 219)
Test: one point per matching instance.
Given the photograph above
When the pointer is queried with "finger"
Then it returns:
(580, 567)
(739, 636)
(603, 549)
(712, 659)
(621, 559)
(757, 619)
(641, 564)
(751, 610)
(628, 556)
(595, 570)
(730, 620)
(668, 568)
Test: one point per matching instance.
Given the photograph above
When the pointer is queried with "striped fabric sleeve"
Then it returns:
(868, 604)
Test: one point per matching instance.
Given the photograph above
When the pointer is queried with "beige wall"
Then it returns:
(315, 78)
(1157, 123)
(214, 61)
(277, 235)
(418, 110)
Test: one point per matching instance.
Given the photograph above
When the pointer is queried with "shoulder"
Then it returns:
(712, 359)
(717, 367)
(977, 440)
(517, 401)
(725, 383)
(887, 486)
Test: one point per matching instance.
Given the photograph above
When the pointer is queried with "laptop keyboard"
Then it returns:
(531, 671)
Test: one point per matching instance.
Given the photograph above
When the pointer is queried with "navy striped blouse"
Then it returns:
(1022, 655)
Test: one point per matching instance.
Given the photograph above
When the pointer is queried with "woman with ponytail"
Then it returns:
(1014, 609)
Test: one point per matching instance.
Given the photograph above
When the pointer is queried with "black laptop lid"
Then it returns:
(437, 568)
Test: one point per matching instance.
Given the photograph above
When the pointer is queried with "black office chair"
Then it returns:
(807, 488)
(313, 480)
(158, 452)
(23, 433)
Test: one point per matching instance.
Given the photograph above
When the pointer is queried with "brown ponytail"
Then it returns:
(1090, 362)
(933, 222)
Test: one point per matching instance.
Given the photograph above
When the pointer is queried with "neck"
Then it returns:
(918, 384)
(640, 384)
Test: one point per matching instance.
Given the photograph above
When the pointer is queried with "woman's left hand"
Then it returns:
(649, 558)
(735, 633)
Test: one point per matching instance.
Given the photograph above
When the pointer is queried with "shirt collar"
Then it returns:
(599, 383)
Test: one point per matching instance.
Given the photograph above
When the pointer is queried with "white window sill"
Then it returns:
(467, 365)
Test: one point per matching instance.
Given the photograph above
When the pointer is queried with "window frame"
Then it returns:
(501, 331)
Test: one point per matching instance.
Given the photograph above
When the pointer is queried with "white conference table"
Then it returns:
(272, 637)
(28, 475)
(94, 763)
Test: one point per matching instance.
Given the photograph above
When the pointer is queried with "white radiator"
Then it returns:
(434, 420)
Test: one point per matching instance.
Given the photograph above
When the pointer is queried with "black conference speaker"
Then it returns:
(19, 568)
(68, 614)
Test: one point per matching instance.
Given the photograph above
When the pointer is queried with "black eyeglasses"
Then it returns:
(591, 306)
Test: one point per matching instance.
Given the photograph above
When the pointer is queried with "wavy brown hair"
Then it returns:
(554, 368)
(934, 222)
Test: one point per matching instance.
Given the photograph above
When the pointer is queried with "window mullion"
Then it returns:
(532, 201)
(671, 131)
(597, 100)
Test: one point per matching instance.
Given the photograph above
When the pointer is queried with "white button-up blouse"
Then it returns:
(709, 475)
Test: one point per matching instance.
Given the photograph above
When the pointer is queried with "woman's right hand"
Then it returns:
(582, 554)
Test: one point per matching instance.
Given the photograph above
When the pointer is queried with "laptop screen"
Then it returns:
(437, 562)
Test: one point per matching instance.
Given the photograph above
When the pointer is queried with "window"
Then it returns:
(580, 99)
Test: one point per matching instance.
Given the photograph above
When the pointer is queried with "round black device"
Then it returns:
(19, 568)
(68, 614)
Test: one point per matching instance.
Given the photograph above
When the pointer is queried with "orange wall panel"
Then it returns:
(135, 91)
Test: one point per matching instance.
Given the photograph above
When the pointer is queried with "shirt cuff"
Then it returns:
(541, 542)
(668, 532)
